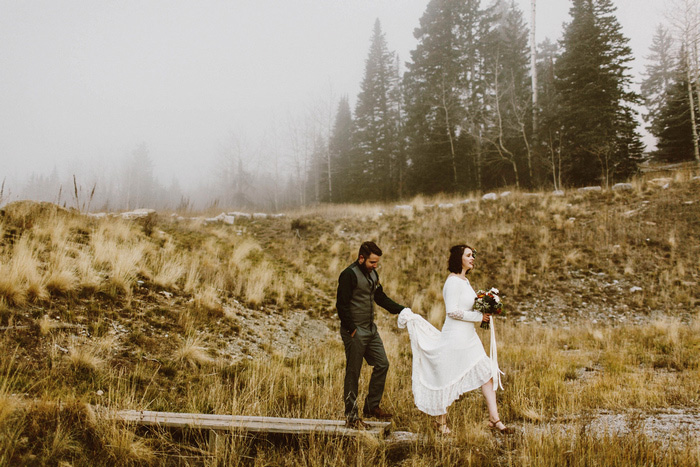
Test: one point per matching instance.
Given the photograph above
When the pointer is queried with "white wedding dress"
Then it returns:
(449, 363)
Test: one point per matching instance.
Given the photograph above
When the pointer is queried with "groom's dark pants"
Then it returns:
(367, 345)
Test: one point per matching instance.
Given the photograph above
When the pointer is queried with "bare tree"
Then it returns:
(498, 142)
(445, 105)
(554, 159)
(684, 16)
(233, 171)
(533, 66)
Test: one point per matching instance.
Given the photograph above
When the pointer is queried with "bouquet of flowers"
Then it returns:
(488, 303)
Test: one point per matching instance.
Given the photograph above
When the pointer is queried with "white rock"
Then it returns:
(622, 186)
(403, 207)
(97, 215)
(223, 217)
(445, 205)
(465, 201)
(587, 189)
(505, 194)
(558, 192)
(259, 215)
(635, 289)
(241, 215)
(137, 213)
(99, 392)
(663, 182)
(490, 197)
(278, 215)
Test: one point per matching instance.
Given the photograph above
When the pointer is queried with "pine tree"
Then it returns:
(659, 74)
(599, 135)
(317, 188)
(441, 83)
(346, 173)
(377, 121)
(673, 124)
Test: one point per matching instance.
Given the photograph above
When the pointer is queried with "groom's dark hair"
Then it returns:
(454, 264)
(367, 248)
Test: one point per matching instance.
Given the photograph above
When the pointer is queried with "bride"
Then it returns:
(449, 363)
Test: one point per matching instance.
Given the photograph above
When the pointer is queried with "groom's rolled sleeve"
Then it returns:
(385, 302)
(343, 297)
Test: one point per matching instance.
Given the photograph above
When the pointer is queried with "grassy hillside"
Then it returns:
(601, 290)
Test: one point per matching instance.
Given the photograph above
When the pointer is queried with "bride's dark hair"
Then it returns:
(454, 264)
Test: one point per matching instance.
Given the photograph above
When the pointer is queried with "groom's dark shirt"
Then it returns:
(347, 282)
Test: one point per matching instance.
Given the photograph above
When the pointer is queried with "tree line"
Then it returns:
(476, 106)
(469, 113)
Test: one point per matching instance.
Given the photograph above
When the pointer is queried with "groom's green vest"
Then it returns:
(362, 301)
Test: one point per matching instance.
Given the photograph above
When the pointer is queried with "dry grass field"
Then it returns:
(600, 342)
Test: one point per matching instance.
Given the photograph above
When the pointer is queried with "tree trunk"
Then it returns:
(533, 70)
(449, 135)
(691, 101)
(478, 160)
(328, 146)
(696, 66)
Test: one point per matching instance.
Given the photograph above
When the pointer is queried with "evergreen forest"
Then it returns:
(467, 114)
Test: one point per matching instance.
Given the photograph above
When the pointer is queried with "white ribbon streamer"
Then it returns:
(493, 351)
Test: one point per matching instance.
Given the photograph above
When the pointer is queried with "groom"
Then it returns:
(358, 290)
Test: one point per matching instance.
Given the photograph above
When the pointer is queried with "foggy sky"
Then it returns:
(83, 83)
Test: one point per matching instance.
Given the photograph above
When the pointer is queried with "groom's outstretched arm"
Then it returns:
(385, 302)
(346, 283)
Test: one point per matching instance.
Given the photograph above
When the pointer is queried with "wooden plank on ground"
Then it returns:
(244, 423)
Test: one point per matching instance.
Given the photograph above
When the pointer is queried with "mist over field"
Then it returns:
(267, 105)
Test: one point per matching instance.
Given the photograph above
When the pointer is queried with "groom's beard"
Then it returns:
(364, 269)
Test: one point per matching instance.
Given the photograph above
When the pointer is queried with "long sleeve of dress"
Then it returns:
(451, 296)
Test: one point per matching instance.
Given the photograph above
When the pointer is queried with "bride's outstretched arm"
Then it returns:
(452, 291)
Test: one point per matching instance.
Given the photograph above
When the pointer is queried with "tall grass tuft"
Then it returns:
(85, 357)
(193, 353)
(124, 447)
(168, 269)
(258, 282)
(125, 265)
(207, 299)
(25, 269)
(61, 277)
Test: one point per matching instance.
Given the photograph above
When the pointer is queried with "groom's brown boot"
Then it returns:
(378, 413)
